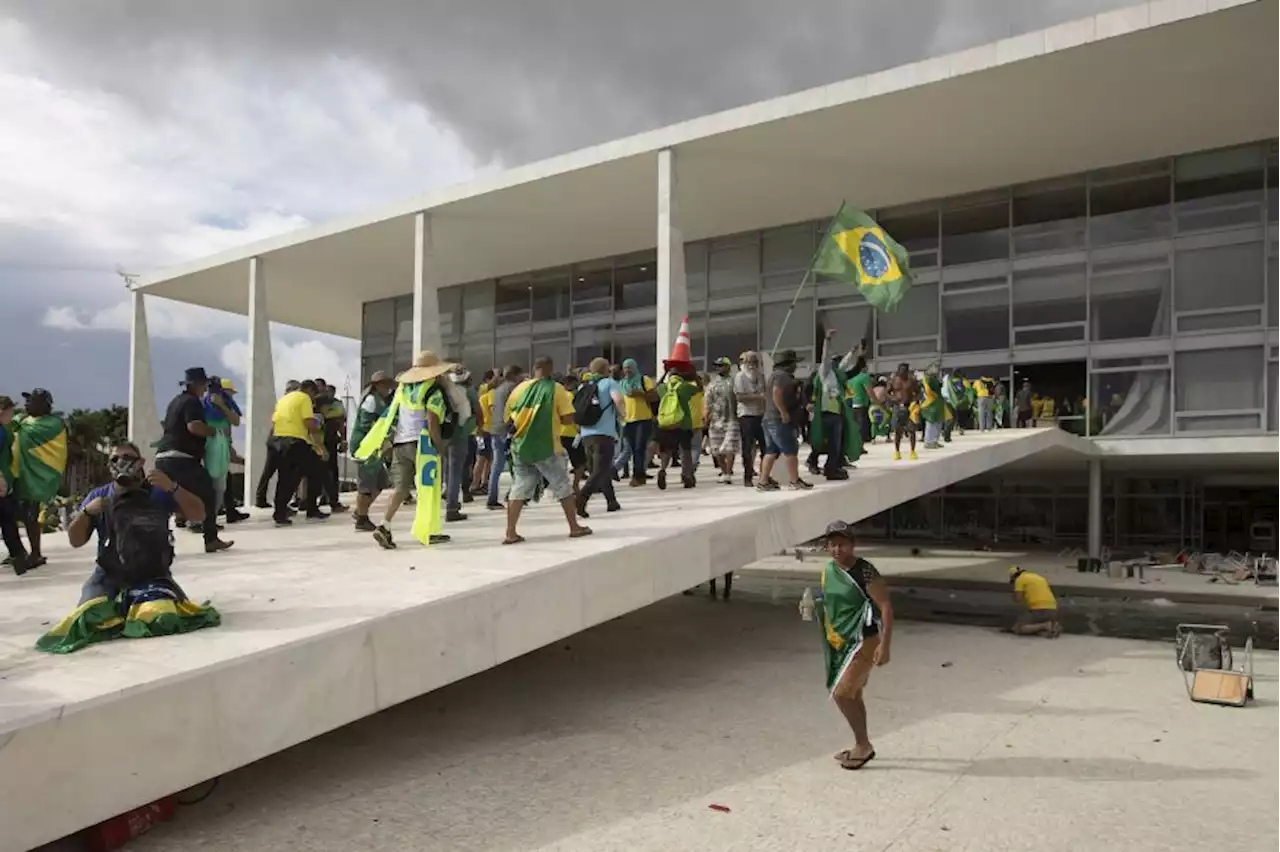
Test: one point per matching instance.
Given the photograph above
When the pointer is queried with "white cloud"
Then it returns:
(337, 361)
(166, 319)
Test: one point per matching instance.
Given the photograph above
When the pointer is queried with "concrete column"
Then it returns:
(144, 421)
(673, 290)
(1095, 508)
(260, 394)
(426, 296)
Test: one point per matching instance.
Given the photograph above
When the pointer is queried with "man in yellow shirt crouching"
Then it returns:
(1040, 607)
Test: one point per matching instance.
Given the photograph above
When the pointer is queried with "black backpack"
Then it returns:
(448, 423)
(139, 545)
(587, 410)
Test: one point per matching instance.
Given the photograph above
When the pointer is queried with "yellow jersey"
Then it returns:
(638, 409)
(292, 416)
(566, 430)
(1034, 591)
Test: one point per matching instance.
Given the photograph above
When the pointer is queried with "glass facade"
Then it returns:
(1142, 299)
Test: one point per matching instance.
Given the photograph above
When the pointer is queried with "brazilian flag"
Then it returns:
(39, 456)
(533, 413)
(858, 251)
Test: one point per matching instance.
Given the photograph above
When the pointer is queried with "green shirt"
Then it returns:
(858, 387)
(684, 391)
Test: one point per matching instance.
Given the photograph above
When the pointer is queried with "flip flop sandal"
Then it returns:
(855, 763)
(580, 532)
(517, 540)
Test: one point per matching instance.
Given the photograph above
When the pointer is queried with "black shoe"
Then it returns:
(286, 521)
(438, 538)
(814, 470)
(455, 515)
(19, 564)
(467, 498)
(768, 485)
(235, 517)
(262, 504)
(580, 505)
(337, 508)
(363, 524)
(662, 480)
(494, 507)
(382, 536)
(688, 482)
(216, 545)
(317, 515)
(615, 507)
(836, 475)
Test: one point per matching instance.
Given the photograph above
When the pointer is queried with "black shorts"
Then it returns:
(670, 440)
(577, 455)
(484, 447)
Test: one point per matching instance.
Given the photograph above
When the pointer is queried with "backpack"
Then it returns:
(448, 423)
(587, 410)
(139, 545)
(669, 414)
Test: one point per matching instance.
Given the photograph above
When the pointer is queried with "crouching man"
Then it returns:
(1039, 607)
(131, 591)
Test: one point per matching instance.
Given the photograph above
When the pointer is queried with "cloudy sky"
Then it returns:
(139, 133)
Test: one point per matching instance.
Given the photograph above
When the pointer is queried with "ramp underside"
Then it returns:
(321, 628)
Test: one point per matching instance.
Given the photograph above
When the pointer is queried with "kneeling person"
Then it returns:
(131, 591)
(1040, 607)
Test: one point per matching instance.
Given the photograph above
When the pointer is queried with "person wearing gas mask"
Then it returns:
(151, 496)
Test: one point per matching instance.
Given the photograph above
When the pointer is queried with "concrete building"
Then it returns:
(1082, 212)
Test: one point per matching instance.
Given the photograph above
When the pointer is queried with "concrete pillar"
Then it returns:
(260, 394)
(1095, 508)
(144, 420)
(673, 290)
(426, 296)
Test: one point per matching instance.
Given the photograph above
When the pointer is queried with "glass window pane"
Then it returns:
(799, 330)
(1273, 398)
(1048, 296)
(404, 323)
(557, 349)
(371, 364)
(450, 312)
(1130, 403)
(1049, 217)
(636, 342)
(512, 305)
(592, 288)
(973, 322)
(729, 334)
(1219, 379)
(916, 315)
(550, 292)
(1129, 211)
(734, 267)
(853, 324)
(973, 234)
(1216, 189)
(591, 343)
(636, 285)
(514, 351)
(1129, 303)
(477, 306)
(477, 353)
(378, 330)
(918, 518)
(1220, 423)
(968, 516)
(916, 229)
(695, 271)
(1219, 322)
(1219, 277)
(787, 249)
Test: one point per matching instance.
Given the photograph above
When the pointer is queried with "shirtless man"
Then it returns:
(903, 390)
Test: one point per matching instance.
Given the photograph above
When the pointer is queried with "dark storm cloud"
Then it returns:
(520, 80)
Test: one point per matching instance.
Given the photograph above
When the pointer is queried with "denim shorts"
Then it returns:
(780, 439)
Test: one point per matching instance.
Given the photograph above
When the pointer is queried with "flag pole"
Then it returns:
(808, 273)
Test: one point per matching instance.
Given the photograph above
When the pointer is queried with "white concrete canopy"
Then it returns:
(1152, 80)
(321, 628)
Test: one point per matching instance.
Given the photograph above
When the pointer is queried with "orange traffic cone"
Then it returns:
(681, 354)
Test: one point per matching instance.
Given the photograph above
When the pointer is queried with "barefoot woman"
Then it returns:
(857, 623)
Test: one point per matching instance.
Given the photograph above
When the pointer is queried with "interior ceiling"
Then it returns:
(1201, 83)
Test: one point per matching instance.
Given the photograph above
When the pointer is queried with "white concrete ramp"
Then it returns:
(321, 628)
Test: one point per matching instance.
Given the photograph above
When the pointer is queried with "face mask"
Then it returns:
(126, 470)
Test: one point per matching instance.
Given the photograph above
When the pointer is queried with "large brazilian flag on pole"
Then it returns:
(858, 251)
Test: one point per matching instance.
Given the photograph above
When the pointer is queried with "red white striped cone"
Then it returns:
(681, 353)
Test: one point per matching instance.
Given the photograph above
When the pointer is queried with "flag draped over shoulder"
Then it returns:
(39, 457)
(858, 251)
(533, 411)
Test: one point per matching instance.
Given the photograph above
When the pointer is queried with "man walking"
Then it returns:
(457, 476)
(498, 438)
(748, 389)
(1023, 406)
(180, 451)
(903, 392)
(782, 404)
(598, 400)
(722, 421)
(9, 513)
(372, 477)
(295, 432)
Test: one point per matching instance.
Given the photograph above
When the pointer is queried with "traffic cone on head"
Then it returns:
(681, 355)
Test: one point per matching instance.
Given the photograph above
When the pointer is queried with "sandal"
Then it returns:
(580, 532)
(517, 540)
(857, 762)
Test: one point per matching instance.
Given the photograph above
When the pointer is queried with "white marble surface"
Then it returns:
(321, 628)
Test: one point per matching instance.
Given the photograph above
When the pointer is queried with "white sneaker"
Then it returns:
(720, 477)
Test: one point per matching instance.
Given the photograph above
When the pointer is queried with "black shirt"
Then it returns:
(183, 409)
(864, 574)
(790, 387)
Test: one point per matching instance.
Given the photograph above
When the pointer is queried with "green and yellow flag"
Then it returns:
(39, 457)
(858, 251)
(533, 413)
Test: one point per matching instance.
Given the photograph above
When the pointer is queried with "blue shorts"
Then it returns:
(780, 439)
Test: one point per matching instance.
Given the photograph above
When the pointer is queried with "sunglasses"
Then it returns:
(120, 459)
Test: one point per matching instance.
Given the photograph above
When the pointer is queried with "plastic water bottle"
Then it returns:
(806, 605)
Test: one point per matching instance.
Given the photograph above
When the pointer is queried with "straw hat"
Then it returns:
(426, 367)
